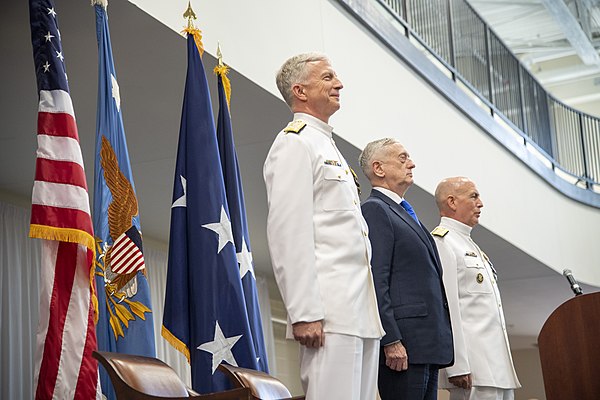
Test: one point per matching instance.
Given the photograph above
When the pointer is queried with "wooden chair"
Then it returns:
(146, 378)
(262, 386)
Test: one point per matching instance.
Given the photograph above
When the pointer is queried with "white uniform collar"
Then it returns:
(456, 226)
(315, 123)
(392, 195)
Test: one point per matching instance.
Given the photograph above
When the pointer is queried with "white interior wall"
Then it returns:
(288, 361)
(529, 370)
(383, 98)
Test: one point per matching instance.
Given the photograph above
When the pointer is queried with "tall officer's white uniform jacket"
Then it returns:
(480, 338)
(318, 238)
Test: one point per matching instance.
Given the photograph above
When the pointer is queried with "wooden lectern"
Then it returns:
(569, 345)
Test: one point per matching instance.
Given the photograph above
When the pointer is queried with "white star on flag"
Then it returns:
(116, 94)
(48, 36)
(223, 229)
(244, 258)
(220, 348)
(46, 66)
(51, 12)
(182, 201)
(60, 56)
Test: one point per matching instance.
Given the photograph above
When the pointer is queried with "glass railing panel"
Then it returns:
(397, 6)
(506, 85)
(536, 113)
(569, 149)
(430, 20)
(591, 143)
(470, 48)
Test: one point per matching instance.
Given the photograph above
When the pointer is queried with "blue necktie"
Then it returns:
(406, 205)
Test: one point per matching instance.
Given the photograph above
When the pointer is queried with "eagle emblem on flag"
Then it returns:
(120, 262)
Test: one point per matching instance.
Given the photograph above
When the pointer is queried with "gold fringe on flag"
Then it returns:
(103, 3)
(197, 38)
(178, 344)
(71, 236)
(63, 235)
(93, 293)
(222, 71)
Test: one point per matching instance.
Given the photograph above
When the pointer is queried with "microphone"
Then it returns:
(574, 285)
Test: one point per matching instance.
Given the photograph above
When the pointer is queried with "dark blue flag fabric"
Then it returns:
(237, 211)
(125, 323)
(205, 312)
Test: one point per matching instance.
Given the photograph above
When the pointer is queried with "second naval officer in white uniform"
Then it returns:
(483, 366)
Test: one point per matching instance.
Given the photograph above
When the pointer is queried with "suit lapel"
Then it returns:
(417, 227)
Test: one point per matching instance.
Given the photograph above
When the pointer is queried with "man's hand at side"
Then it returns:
(309, 334)
(462, 381)
(396, 357)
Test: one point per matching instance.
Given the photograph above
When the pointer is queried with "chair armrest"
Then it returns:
(233, 394)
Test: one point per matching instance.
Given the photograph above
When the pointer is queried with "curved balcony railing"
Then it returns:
(458, 38)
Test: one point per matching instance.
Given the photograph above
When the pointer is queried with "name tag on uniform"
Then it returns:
(470, 254)
(333, 162)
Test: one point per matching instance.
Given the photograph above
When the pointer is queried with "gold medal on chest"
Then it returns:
(479, 278)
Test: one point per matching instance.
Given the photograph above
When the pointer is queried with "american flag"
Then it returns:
(60, 214)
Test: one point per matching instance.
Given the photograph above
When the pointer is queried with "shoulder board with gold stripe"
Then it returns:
(295, 126)
(440, 231)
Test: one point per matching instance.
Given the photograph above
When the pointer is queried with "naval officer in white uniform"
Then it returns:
(483, 367)
(318, 240)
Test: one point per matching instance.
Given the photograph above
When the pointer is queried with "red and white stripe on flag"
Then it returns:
(66, 334)
(60, 214)
(126, 257)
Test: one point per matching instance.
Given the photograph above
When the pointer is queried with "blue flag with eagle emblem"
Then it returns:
(237, 211)
(205, 313)
(125, 322)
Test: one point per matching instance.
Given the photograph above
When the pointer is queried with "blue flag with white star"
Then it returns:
(237, 210)
(125, 323)
(205, 313)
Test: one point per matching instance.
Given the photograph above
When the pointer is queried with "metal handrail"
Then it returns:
(458, 38)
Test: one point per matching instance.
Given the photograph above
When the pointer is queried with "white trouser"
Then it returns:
(481, 393)
(345, 368)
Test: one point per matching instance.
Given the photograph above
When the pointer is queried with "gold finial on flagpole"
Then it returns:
(190, 15)
(219, 55)
(221, 70)
(191, 29)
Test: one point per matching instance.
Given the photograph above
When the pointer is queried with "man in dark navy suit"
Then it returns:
(408, 280)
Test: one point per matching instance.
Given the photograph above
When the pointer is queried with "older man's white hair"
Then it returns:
(294, 70)
(371, 152)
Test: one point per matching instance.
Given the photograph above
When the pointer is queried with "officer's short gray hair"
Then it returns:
(294, 71)
(371, 151)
